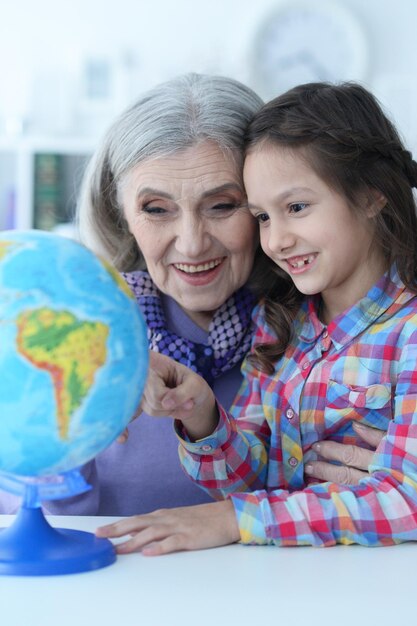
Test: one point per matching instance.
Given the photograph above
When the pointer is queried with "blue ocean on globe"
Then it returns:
(73, 354)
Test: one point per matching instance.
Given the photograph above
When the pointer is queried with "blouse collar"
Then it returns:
(381, 302)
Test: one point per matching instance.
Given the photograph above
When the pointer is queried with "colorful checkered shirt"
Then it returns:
(362, 367)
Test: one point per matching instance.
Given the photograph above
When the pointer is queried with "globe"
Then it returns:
(73, 364)
(73, 354)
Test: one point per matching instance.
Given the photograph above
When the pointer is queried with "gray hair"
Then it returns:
(173, 116)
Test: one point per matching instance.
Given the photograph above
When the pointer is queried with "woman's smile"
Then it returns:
(200, 274)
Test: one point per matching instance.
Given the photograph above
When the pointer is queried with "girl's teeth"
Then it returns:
(302, 262)
(192, 269)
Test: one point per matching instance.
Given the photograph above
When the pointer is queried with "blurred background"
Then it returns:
(68, 67)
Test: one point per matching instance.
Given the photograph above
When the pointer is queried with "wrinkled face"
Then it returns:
(185, 213)
(309, 230)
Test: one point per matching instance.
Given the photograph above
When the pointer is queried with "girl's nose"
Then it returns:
(280, 238)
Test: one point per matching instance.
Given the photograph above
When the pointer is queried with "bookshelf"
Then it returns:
(39, 181)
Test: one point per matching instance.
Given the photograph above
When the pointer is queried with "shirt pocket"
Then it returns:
(370, 405)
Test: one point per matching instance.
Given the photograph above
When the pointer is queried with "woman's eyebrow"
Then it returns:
(221, 189)
(144, 191)
(206, 194)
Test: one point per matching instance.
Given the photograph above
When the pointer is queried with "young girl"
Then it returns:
(330, 184)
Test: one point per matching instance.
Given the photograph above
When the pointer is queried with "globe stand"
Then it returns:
(32, 547)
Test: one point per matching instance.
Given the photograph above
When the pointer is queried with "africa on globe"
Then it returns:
(73, 354)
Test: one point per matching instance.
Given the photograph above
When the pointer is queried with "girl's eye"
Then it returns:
(296, 207)
(261, 217)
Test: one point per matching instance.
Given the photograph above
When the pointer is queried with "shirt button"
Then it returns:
(290, 414)
(306, 365)
(206, 448)
(325, 334)
(292, 461)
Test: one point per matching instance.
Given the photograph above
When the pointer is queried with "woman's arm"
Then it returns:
(86, 503)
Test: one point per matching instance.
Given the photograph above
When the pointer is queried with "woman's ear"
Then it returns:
(375, 202)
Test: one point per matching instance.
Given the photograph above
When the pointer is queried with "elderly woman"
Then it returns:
(162, 201)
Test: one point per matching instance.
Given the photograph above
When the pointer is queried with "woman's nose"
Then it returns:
(193, 237)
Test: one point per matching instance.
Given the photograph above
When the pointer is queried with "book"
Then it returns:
(48, 209)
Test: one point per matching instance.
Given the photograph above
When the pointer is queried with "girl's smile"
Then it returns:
(301, 263)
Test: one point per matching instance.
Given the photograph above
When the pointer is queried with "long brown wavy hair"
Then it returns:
(351, 144)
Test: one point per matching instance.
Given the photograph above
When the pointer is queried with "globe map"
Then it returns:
(73, 354)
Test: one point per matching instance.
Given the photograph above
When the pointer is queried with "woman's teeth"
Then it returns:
(203, 267)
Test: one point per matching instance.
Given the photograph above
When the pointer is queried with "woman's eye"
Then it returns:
(152, 209)
(296, 207)
(224, 207)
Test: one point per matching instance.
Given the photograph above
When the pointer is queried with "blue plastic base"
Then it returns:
(32, 547)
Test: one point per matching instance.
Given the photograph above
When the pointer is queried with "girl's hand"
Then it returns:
(355, 460)
(174, 390)
(170, 530)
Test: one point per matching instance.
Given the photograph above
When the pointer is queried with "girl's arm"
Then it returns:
(235, 456)
(380, 510)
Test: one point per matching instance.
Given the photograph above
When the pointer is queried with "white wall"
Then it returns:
(45, 43)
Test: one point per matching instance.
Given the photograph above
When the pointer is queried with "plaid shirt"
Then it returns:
(362, 367)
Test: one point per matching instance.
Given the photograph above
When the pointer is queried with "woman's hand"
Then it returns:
(355, 460)
(170, 530)
(124, 436)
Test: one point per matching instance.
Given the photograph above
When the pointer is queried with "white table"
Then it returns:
(236, 585)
